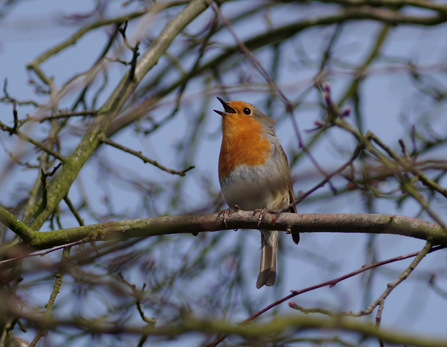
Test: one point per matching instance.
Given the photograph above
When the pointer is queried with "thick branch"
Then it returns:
(291, 323)
(73, 164)
(429, 5)
(331, 222)
(276, 326)
(10, 221)
(279, 34)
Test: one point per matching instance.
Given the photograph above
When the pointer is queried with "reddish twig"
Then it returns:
(330, 283)
(42, 253)
(324, 181)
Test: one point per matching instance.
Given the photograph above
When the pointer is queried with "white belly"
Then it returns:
(250, 188)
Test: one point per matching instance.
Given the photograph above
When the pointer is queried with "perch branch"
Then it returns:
(291, 222)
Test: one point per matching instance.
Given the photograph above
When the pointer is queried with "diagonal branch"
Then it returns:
(56, 289)
(89, 143)
(144, 158)
(21, 229)
(419, 255)
(38, 144)
(381, 299)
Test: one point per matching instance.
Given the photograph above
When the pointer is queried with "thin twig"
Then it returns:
(427, 249)
(43, 178)
(38, 144)
(45, 252)
(60, 115)
(436, 288)
(73, 210)
(8, 99)
(380, 302)
(407, 165)
(324, 181)
(288, 104)
(56, 288)
(16, 120)
(117, 60)
(145, 159)
(332, 283)
(122, 31)
(379, 318)
(133, 63)
(138, 294)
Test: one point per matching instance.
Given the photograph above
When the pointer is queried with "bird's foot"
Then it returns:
(224, 213)
(262, 212)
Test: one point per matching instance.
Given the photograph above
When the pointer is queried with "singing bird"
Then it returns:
(254, 173)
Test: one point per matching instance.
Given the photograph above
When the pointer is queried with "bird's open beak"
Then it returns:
(228, 109)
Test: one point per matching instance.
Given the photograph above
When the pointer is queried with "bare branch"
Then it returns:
(276, 326)
(290, 222)
(138, 297)
(10, 221)
(43, 178)
(144, 158)
(110, 109)
(331, 283)
(56, 288)
(38, 144)
(73, 210)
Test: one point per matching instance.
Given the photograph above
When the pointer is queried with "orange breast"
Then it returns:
(242, 143)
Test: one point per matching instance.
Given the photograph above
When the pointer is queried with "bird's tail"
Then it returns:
(269, 250)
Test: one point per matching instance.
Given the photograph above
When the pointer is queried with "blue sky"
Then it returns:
(389, 101)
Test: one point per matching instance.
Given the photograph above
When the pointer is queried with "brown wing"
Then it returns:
(295, 235)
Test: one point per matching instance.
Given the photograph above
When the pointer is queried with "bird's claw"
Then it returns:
(262, 212)
(224, 213)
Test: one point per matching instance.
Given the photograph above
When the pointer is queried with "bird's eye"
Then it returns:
(246, 110)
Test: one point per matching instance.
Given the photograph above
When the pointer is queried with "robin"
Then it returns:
(254, 173)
